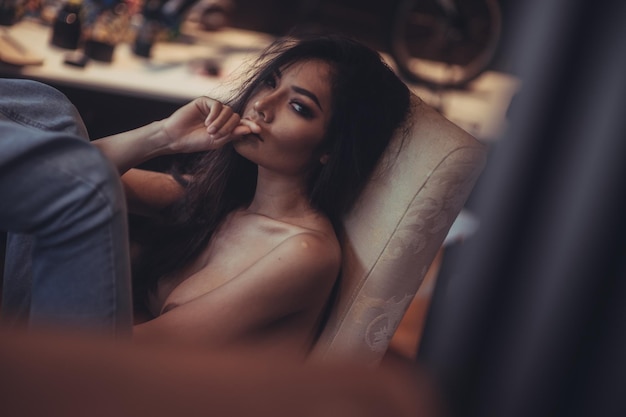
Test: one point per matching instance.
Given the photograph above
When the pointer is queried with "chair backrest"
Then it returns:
(393, 233)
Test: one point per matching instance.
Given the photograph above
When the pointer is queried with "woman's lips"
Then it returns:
(255, 136)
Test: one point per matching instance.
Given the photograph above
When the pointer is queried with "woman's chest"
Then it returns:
(237, 246)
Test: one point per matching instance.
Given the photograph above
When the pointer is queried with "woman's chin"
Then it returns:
(247, 146)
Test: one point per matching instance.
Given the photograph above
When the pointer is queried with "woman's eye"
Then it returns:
(301, 109)
(270, 81)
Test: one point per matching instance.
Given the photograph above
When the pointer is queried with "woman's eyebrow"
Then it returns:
(307, 93)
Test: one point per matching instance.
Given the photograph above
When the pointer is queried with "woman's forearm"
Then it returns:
(203, 124)
(129, 149)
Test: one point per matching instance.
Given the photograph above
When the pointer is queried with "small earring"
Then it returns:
(324, 159)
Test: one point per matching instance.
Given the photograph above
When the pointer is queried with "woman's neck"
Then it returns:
(280, 196)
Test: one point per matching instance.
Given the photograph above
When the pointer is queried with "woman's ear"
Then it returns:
(324, 158)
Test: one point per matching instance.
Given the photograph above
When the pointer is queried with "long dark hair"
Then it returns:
(369, 103)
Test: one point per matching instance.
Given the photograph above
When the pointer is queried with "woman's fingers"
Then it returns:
(241, 130)
(221, 119)
(227, 125)
(234, 127)
(254, 128)
(245, 127)
(223, 124)
(214, 109)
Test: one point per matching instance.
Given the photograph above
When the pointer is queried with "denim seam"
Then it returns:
(24, 121)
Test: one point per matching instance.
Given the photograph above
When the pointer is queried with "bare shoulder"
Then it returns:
(316, 243)
(313, 238)
(314, 249)
(306, 266)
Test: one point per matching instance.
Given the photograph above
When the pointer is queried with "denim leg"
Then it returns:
(61, 191)
(17, 278)
(31, 103)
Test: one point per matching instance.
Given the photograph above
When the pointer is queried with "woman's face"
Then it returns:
(293, 109)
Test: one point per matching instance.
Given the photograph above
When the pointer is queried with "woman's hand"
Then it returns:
(200, 125)
(204, 124)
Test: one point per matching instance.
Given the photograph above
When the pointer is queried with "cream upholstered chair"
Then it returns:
(395, 230)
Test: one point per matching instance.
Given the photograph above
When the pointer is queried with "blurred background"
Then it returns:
(450, 52)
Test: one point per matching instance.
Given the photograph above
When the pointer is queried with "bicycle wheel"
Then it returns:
(440, 47)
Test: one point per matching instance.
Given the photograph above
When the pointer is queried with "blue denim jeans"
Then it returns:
(62, 203)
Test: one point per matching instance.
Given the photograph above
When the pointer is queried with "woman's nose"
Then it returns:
(262, 106)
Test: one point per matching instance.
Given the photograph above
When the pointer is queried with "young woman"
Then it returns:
(247, 250)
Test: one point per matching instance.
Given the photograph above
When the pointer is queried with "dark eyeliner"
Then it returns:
(304, 111)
